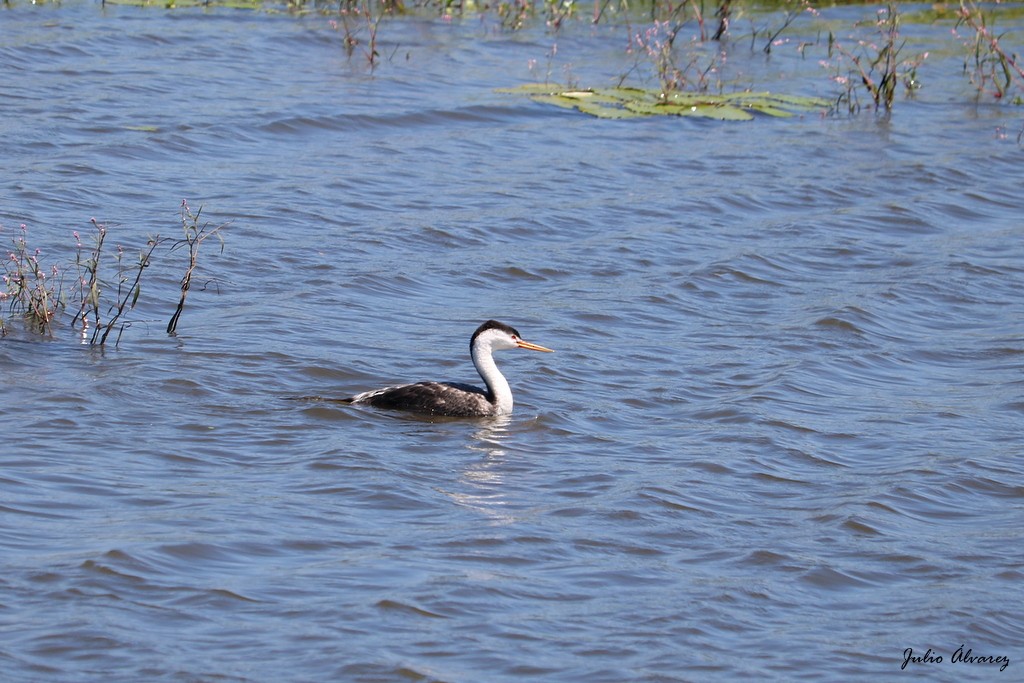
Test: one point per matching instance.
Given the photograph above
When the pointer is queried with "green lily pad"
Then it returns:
(604, 111)
(720, 111)
(623, 102)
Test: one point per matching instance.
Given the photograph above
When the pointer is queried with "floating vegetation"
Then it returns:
(625, 103)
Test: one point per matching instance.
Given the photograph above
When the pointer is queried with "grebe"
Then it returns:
(459, 400)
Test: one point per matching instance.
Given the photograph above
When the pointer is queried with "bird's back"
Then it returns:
(434, 398)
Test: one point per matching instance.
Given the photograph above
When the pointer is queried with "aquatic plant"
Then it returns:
(90, 288)
(88, 280)
(657, 46)
(195, 235)
(878, 64)
(516, 14)
(772, 34)
(674, 41)
(101, 295)
(992, 68)
(621, 103)
(28, 289)
(355, 18)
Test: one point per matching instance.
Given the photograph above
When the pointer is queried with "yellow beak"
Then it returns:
(533, 347)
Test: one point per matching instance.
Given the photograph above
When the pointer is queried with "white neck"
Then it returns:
(492, 377)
